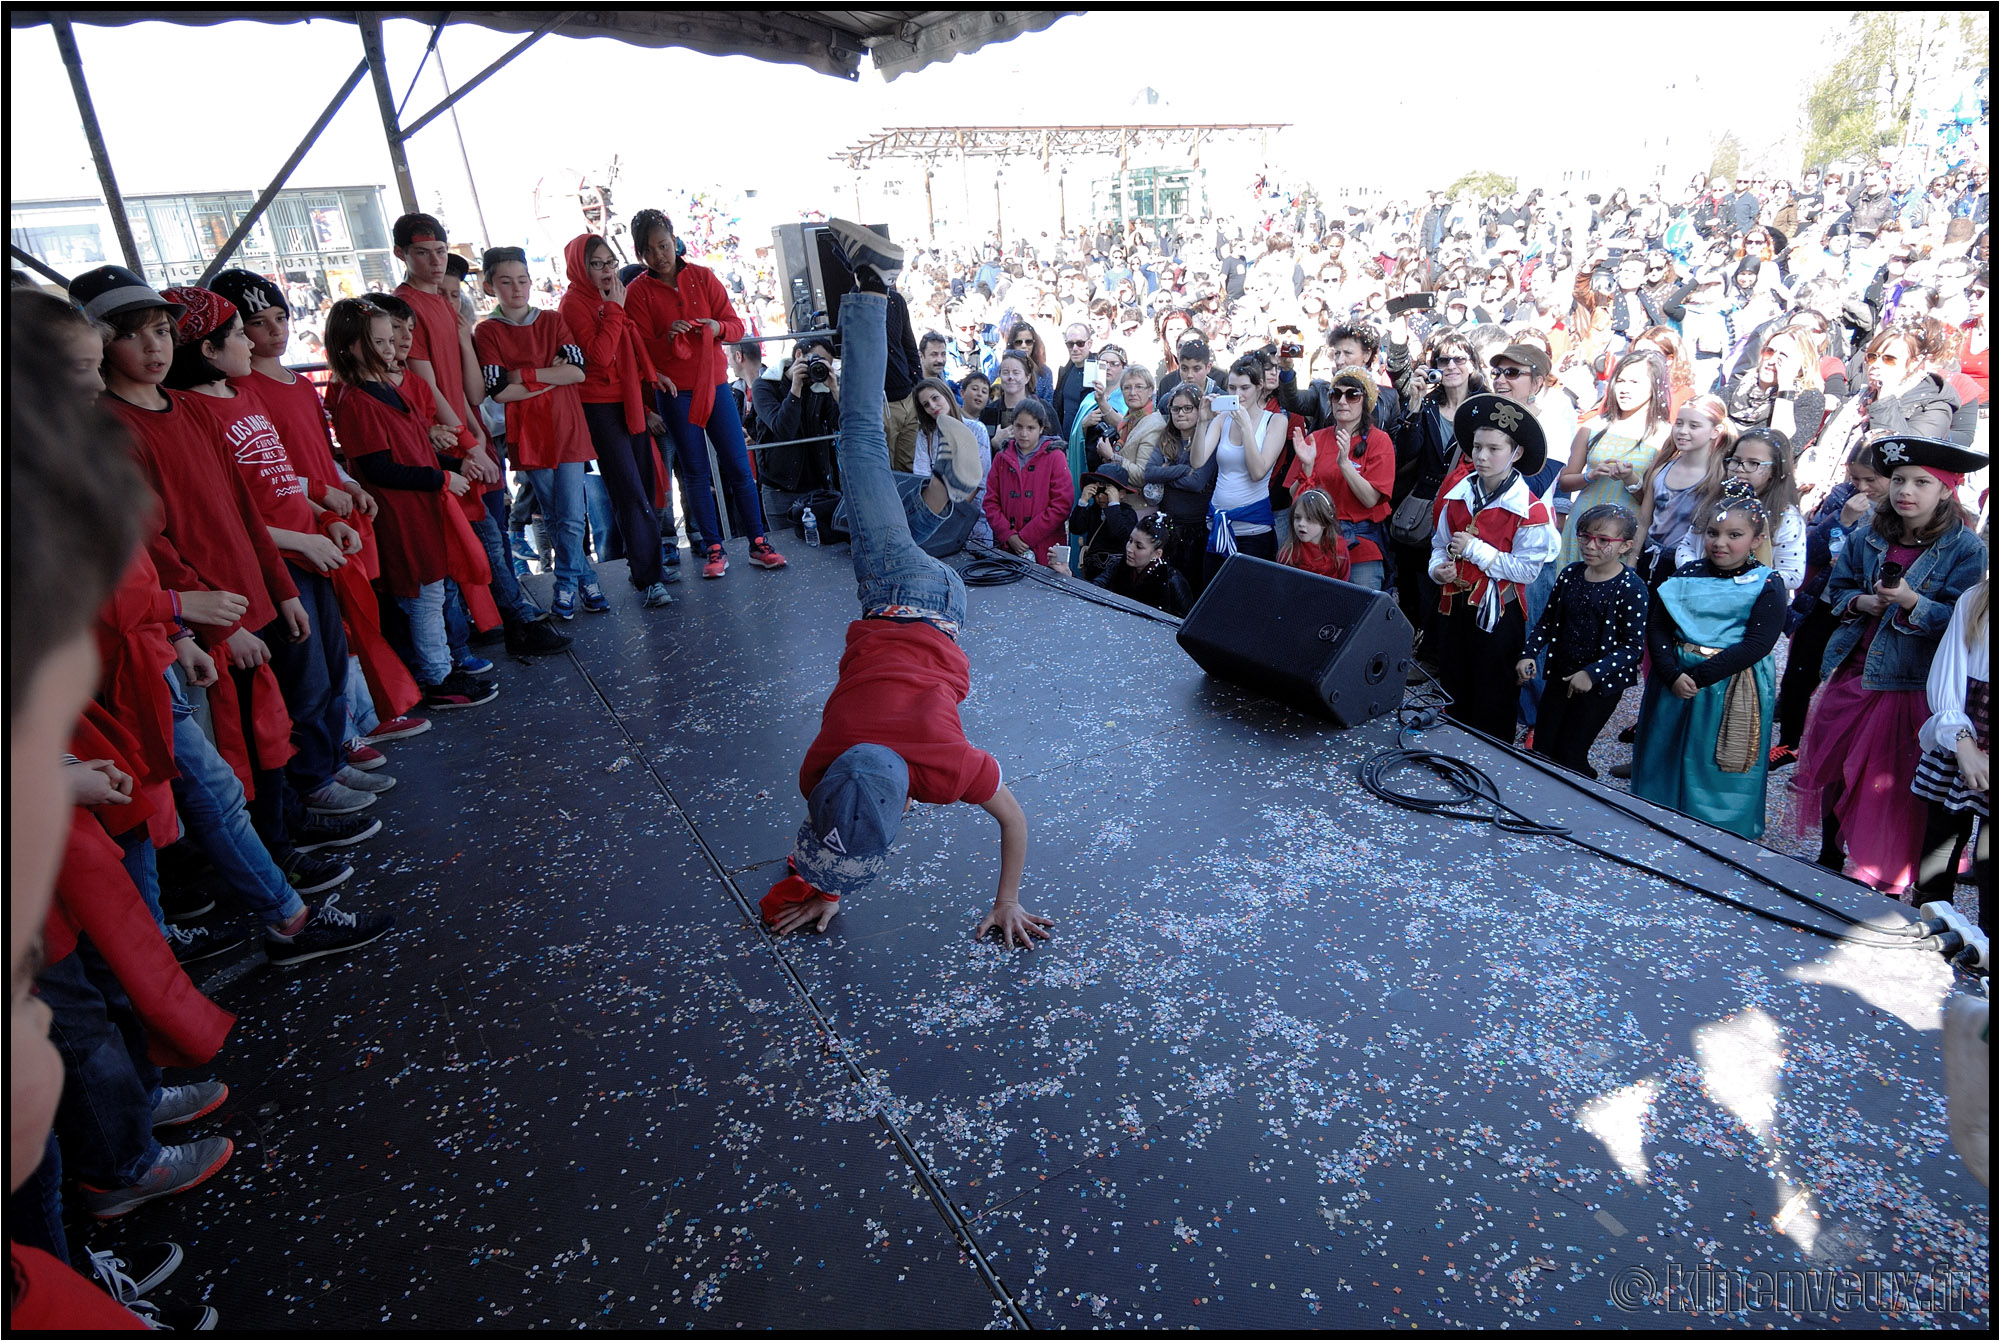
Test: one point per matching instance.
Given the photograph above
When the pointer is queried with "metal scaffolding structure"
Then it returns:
(831, 41)
(1051, 146)
(928, 143)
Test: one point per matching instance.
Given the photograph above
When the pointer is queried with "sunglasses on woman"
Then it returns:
(1345, 393)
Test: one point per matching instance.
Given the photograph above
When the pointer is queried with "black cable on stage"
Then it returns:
(1424, 707)
(999, 568)
(990, 573)
(1473, 796)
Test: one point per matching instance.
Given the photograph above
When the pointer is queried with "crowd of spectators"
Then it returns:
(1585, 442)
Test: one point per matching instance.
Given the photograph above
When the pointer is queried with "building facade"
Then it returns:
(330, 240)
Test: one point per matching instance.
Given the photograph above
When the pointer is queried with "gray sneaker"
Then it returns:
(333, 798)
(179, 1168)
(862, 246)
(179, 1105)
(357, 781)
(657, 595)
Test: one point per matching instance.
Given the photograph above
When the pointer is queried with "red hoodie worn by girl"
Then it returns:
(616, 368)
(1031, 499)
(692, 359)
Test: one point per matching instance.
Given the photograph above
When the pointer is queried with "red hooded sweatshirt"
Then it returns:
(693, 359)
(616, 368)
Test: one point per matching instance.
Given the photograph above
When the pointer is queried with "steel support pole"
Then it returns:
(113, 199)
(35, 264)
(249, 220)
(370, 23)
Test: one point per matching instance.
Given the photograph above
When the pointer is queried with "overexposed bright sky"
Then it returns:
(1391, 100)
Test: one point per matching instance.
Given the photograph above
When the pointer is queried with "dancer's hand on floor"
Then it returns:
(815, 909)
(1011, 920)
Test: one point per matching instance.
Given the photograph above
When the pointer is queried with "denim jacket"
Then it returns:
(1900, 656)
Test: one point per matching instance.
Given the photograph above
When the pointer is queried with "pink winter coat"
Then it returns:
(1031, 499)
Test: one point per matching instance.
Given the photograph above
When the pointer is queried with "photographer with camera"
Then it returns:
(802, 402)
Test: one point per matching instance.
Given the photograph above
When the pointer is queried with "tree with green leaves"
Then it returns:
(1728, 157)
(1481, 184)
(1889, 58)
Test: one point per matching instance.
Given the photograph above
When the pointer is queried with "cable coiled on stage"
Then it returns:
(1472, 795)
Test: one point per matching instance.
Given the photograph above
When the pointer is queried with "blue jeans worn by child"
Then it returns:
(110, 1084)
(890, 569)
(431, 653)
(209, 796)
(725, 430)
(560, 490)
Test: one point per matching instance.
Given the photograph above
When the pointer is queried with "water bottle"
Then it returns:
(812, 526)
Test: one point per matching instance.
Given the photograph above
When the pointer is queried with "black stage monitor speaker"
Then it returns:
(1322, 646)
(813, 276)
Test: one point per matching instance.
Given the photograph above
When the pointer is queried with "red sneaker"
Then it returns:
(364, 757)
(1782, 756)
(714, 562)
(399, 728)
(763, 555)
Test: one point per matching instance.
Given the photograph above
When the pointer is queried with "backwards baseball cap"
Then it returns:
(113, 288)
(203, 313)
(852, 817)
(250, 292)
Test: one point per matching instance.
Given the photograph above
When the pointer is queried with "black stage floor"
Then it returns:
(1295, 1058)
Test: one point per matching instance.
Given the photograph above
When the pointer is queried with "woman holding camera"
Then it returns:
(1426, 446)
(1244, 439)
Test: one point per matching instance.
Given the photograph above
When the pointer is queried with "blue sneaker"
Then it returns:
(520, 568)
(473, 664)
(593, 598)
(670, 563)
(564, 605)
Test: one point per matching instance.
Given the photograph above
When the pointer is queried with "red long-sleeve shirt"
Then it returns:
(243, 423)
(300, 418)
(211, 537)
(692, 359)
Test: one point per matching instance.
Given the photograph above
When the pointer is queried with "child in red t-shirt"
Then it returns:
(890, 733)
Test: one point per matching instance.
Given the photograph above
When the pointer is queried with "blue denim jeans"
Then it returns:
(310, 675)
(361, 716)
(725, 430)
(560, 490)
(210, 799)
(432, 653)
(889, 566)
(144, 869)
(109, 1083)
(506, 588)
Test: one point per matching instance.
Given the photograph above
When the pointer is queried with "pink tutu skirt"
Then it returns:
(1862, 744)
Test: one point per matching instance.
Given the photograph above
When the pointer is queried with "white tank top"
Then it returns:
(1233, 485)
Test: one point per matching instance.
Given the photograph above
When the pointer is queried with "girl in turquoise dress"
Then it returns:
(1617, 444)
(1705, 724)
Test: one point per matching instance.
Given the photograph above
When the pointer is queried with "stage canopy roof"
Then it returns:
(828, 40)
